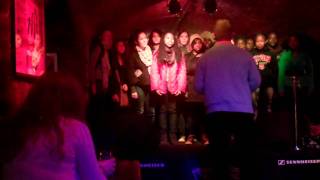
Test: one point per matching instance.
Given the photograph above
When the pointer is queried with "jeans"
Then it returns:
(168, 114)
(143, 104)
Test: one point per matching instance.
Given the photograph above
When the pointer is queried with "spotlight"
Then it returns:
(174, 7)
(210, 6)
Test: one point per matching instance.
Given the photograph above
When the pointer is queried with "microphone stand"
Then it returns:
(294, 88)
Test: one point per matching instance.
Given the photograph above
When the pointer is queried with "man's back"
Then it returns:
(226, 76)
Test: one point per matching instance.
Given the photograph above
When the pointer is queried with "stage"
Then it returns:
(191, 162)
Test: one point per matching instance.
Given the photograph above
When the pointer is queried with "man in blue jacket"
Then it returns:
(227, 76)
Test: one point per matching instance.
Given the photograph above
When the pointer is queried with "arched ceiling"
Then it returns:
(248, 16)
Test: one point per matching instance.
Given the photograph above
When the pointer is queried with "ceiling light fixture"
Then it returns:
(210, 6)
(174, 7)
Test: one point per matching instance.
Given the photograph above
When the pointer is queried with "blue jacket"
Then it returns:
(227, 76)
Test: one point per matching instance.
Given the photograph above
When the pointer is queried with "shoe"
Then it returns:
(206, 142)
(269, 109)
(190, 139)
(182, 139)
(255, 117)
(164, 139)
(173, 139)
(205, 139)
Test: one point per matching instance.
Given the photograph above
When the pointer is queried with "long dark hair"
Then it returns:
(179, 34)
(163, 52)
(134, 38)
(158, 31)
(96, 39)
(114, 55)
(202, 50)
(53, 96)
(298, 36)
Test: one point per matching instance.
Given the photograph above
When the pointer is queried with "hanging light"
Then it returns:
(174, 7)
(210, 6)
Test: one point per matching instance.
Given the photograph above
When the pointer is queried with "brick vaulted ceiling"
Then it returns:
(248, 16)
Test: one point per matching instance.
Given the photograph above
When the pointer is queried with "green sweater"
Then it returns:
(299, 66)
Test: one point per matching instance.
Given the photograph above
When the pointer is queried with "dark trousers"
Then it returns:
(144, 105)
(194, 115)
(232, 137)
(100, 117)
(181, 124)
(263, 99)
(168, 113)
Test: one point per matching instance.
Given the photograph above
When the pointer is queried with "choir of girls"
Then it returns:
(152, 73)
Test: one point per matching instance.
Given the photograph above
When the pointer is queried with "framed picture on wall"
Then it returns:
(29, 52)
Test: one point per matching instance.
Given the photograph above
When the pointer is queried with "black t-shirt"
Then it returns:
(267, 65)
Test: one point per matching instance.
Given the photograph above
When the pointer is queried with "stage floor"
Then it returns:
(191, 162)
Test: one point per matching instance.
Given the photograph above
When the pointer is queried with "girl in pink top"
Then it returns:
(168, 80)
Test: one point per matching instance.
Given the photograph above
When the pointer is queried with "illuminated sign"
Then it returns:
(29, 37)
(298, 162)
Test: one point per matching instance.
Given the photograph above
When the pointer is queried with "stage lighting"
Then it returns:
(210, 6)
(174, 7)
